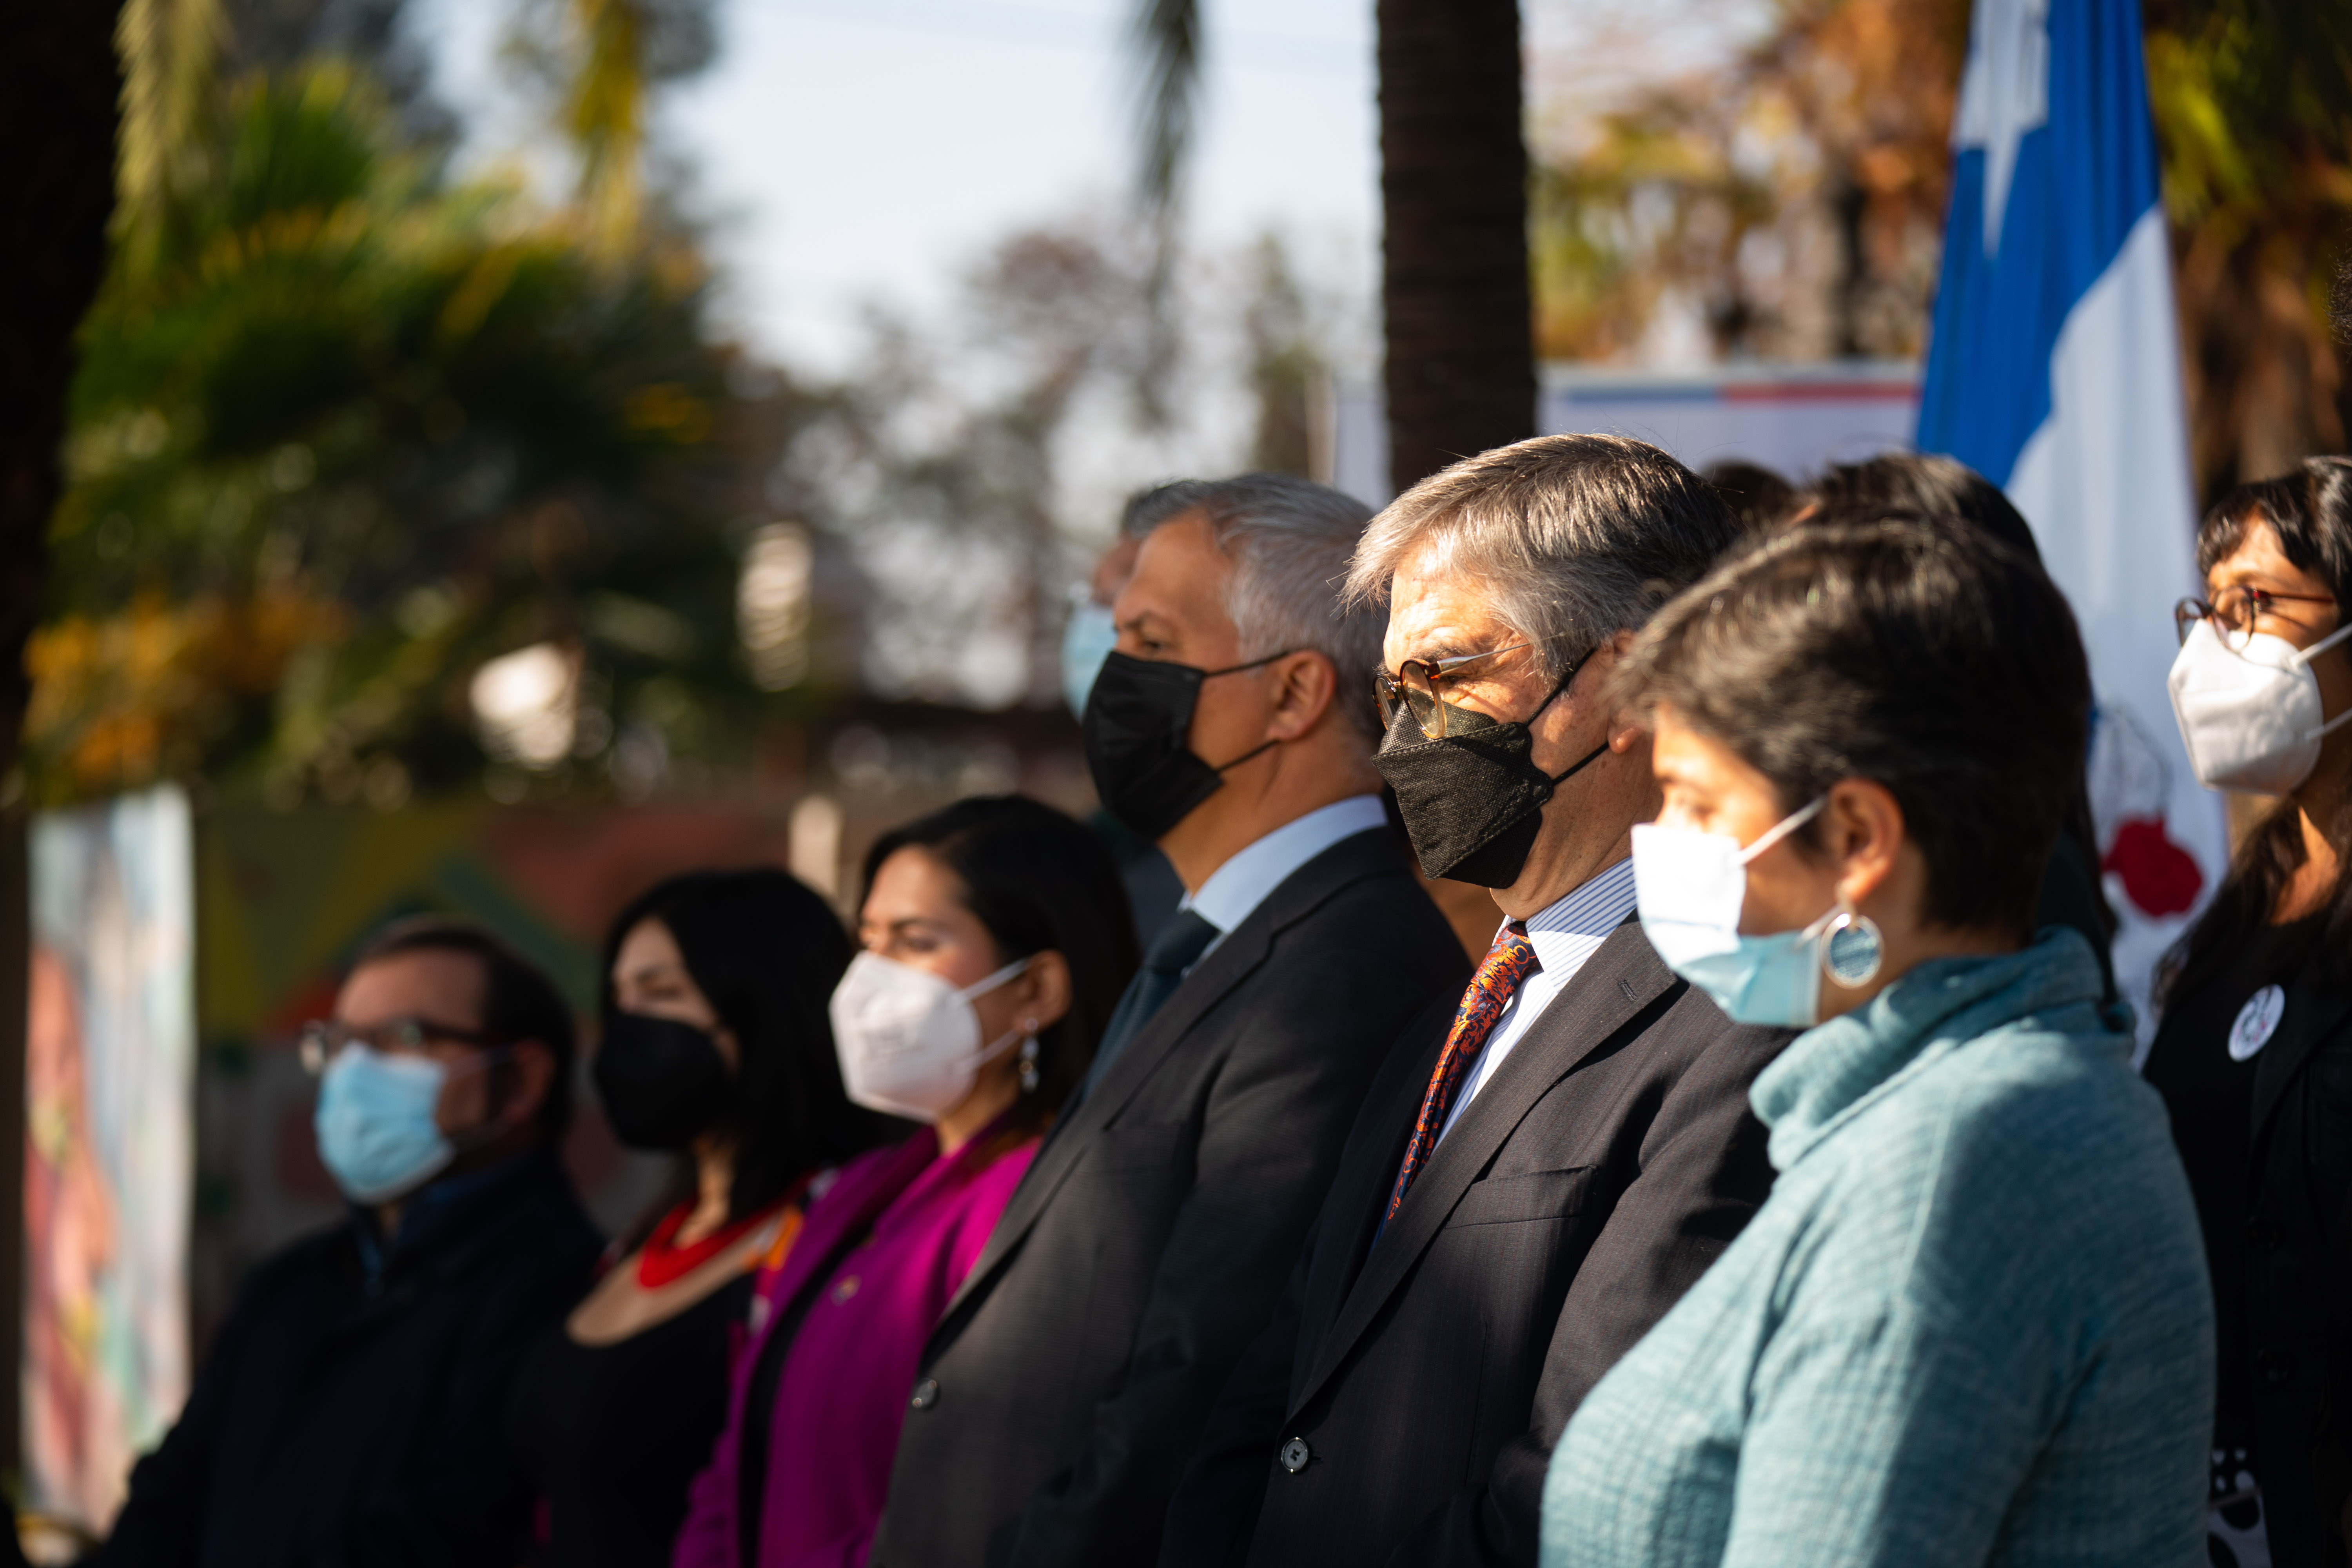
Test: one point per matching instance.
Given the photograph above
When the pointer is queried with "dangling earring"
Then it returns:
(1029, 1074)
(1851, 949)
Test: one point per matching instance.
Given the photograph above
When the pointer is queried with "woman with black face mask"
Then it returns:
(715, 1046)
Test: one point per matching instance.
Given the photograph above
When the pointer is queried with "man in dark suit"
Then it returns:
(353, 1407)
(1539, 1172)
(1065, 1385)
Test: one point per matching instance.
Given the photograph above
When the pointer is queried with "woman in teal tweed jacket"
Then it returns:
(1972, 1324)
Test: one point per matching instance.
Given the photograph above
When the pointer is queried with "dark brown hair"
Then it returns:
(2311, 512)
(1948, 671)
(1757, 498)
(518, 1001)
(1039, 881)
(1926, 485)
(765, 952)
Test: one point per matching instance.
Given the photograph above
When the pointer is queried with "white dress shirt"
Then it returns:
(1236, 888)
(1564, 934)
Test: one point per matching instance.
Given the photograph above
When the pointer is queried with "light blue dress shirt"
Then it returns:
(1235, 889)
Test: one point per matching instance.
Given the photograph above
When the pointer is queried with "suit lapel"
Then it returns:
(2310, 1016)
(1235, 960)
(1622, 978)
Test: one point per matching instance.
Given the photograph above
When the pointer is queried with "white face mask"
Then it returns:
(909, 1041)
(1690, 888)
(2251, 717)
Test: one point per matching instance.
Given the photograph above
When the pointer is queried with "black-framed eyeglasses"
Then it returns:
(1414, 685)
(2234, 610)
(323, 1040)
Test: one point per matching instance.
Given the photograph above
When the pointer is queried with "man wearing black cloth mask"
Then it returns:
(1548, 1159)
(1067, 1383)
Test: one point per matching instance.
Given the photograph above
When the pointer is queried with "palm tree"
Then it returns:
(58, 103)
(1460, 369)
(57, 96)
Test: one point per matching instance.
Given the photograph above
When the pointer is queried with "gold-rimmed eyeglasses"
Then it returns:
(1415, 686)
(2234, 612)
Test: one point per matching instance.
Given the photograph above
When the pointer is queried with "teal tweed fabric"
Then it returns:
(1972, 1324)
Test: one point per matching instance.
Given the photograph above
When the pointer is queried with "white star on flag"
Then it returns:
(2004, 93)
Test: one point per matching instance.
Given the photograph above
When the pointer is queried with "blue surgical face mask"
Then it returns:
(375, 1124)
(1690, 887)
(1087, 641)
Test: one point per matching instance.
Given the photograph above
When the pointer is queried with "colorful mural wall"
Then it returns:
(110, 1060)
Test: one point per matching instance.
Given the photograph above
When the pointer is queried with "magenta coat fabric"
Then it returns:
(842, 1391)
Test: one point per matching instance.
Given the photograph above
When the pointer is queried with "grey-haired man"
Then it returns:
(1063, 1390)
(1545, 1165)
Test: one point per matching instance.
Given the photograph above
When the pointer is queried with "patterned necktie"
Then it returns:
(1507, 962)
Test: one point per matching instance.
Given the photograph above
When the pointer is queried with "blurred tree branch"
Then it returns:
(170, 51)
(2253, 102)
(59, 91)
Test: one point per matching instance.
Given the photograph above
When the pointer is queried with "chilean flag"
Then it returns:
(2055, 370)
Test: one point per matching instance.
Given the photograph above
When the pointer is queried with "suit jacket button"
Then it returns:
(927, 1393)
(1294, 1455)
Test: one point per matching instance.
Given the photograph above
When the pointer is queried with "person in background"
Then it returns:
(1757, 498)
(1926, 486)
(1055, 1401)
(352, 1409)
(1940, 492)
(1970, 1325)
(715, 1046)
(1549, 1158)
(1153, 888)
(996, 943)
(2254, 1052)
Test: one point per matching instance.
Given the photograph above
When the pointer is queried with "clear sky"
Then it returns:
(871, 149)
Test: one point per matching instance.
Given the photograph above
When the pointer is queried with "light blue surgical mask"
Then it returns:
(1087, 641)
(1690, 887)
(375, 1125)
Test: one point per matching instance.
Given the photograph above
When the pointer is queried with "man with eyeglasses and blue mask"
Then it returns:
(353, 1408)
(1550, 1157)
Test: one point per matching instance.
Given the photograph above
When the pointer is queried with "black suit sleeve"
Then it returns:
(162, 1517)
(459, 1498)
(1271, 1132)
(1702, 1173)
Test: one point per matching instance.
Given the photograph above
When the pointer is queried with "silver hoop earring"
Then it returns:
(1030, 1077)
(1852, 949)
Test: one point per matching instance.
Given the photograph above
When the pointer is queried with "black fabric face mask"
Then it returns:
(1139, 727)
(1472, 802)
(662, 1082)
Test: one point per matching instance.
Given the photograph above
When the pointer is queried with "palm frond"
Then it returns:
(1167, 42)
(605, 113)
(171, 54)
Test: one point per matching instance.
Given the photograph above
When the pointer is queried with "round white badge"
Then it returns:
(2256, 1022)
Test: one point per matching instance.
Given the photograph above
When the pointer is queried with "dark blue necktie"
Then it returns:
(1177, 946)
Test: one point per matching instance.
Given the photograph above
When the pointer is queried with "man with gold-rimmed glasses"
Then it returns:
(1547, 1162)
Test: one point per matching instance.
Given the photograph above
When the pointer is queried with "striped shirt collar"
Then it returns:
(1565, 932)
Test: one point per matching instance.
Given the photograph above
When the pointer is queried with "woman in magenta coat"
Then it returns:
(996, 943)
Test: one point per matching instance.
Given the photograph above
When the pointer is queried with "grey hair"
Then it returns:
(1291, 540)
(1573, 538)
(1147, 509)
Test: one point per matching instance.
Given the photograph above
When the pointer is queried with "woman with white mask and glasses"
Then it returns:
(1970, 1325)
(996, 941)
(2253, 1056)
